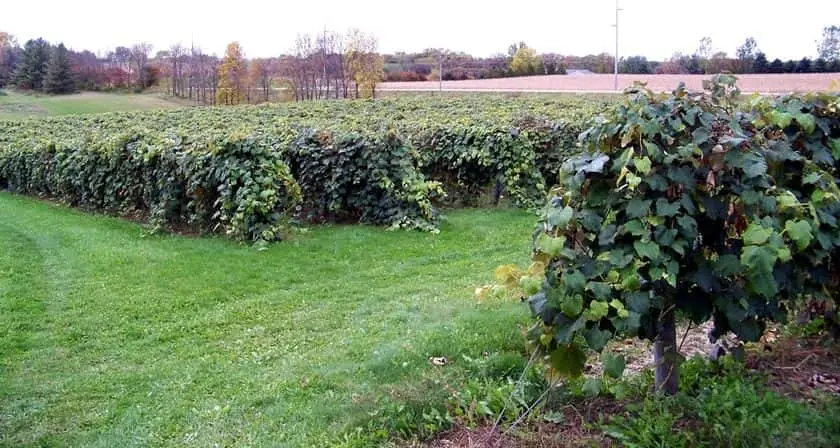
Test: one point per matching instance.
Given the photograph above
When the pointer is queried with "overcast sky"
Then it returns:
(654, 28)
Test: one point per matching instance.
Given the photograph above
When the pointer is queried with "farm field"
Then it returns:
(597, 83)
(112, 338)
(15, 105)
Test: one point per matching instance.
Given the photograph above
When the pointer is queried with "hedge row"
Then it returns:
(246, 171)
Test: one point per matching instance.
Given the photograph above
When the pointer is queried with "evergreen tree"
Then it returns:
(804, 66)
(760, 64)
(820, 66)
(59, 79)
(777, 66)
(789, 67)
(32, 66)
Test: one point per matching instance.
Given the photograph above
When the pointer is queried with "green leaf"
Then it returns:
(561, 218)
(597, 310)
(759, 259)
(784, 255)
(591, 387)
(639, 302)
(756, 234)
(551, 245)
(636, 208)
(613, 365)
(530, 285)
(652, 150)
(754, 165)
(726, 265)
(633, 180)
(636, 228)
(574, 281)
(649, 250)
(834, 143)
(700, 136)
(780, 119)
(665, 208)
(806, 121)
(812, 178)
(642, 165)
(800, 232)
(597, 339)
(631, 281)
(568, 360)
(787, 200)
(600, 290)
(572, 305)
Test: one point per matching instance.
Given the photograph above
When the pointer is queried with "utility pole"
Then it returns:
(615, 78)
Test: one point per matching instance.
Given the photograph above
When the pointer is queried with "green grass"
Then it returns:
(15, 105)
(109, 337)
(727, 405)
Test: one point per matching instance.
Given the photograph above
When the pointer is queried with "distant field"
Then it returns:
(15, 105)
(784, 83)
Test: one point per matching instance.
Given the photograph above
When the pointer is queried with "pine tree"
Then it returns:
(59, 79)
(32, 67)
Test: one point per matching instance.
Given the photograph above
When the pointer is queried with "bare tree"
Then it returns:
(139, 57)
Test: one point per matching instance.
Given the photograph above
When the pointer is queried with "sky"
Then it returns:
(653, 28)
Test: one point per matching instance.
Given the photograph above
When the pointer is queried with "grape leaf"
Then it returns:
(800, 232)
(614, 365)
(649, 250)
(637, 208)
(597, 339)
(572, 305)
(756, 234)
(568, 360)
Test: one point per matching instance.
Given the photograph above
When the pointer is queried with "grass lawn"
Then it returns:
(14, 105)
(112, 338)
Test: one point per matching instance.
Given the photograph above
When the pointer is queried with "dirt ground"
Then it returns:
(795, 368)
(781, 83)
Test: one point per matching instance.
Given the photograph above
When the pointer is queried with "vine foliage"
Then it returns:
(686, 204)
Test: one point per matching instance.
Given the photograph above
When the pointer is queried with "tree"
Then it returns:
(524, 61)
(777, 66)
(720, 63)
(32, 67)
(176, 56)
(260, 75)
(232, 76)
(59, 79)
(8, 57)
(635, 65)
(829, 47)
(139, 55)
(121, 57)
(746, 55)
(704, 53)
(760, 64)
(804, 66)
(552, 64)
(820, 66)
(365, 65)
(788, 67)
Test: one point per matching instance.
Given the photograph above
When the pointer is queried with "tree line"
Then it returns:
(345, 65)
(328, 65)
(522, 60)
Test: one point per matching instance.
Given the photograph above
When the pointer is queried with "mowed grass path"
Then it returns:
(112, 338)
(15, 105)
